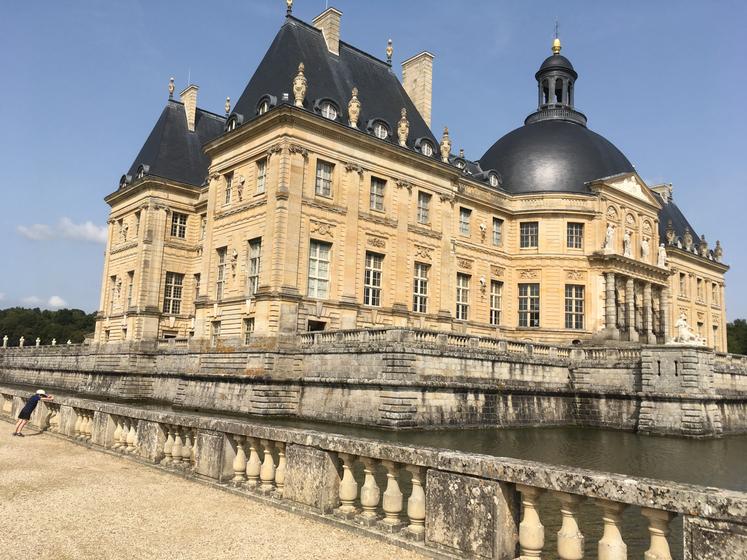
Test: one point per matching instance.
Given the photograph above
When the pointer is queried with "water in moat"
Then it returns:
(708, 462)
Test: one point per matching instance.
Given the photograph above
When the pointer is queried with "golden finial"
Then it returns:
(556, 42)
(171, 88)
(288, 7)
(389, 52)
(227, 106)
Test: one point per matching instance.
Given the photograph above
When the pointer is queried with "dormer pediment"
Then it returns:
(631, 185)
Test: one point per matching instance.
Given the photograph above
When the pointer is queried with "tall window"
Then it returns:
(261, 175)
(462, 296)
(464, 216)
(252, 267)
(424, 207)
(529, 305)
(172, 295)
(229, 188)
(575, 236)
(420, 288)
(574, 306)
(197, 285)
(496, 293)
(220, 278)
(248, 329)
(130, 287)
(497, 231)
(528, 234)
(372, 279)
(319, 269)
(214, 333)
(112, 292)
(377, 193)
(178, 225)
(324, 178)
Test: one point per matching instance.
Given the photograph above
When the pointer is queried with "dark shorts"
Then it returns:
(25, 413)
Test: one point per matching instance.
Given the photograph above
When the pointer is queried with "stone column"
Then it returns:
(610, 307)
(648, 314)
(664, 307)
(630, 309)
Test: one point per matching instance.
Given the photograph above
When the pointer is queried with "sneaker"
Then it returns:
(15, 433)
(20, 435)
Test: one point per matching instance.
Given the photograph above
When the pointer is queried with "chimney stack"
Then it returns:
(417, 79)
(329, 24)
(189, 98)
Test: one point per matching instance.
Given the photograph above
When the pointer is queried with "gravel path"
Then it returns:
(61, 501)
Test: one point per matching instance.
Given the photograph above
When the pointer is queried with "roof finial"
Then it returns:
(354, 108)
(389, 52)
(556, 42)
(227, 106)
(171, 88)
(299, 86)
(288, 7)
(445, 145)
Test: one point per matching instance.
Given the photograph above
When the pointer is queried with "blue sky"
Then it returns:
(84, 81)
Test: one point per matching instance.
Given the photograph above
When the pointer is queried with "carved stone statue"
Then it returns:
(445, 145)
(718, 251)
(670, 232)
(662, 257)
(645, 249)
(354, 109)
(609, 239)
(688, 240)
(685, 334)
(627, 252)
(703, 246)
(403, 128)
(299, 86)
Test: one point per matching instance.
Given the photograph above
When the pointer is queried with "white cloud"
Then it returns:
(37, 232)
(31, 300)
(56, 301)
(66, 229)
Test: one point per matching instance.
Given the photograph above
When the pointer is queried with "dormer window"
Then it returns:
(328, 110)
(234, 121)
(141, 171)
(124, 181)
(231, 125)
(494, 181)
(381, 130)
(264, 106)
(460, 163)
(426, 148)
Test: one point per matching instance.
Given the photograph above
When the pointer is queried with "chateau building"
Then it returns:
(323, 200)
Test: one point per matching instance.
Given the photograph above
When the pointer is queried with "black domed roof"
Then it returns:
(557, 62)
(553, 156)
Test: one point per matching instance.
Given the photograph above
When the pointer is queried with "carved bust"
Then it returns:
(403, 128)
(299, 86)
(445, 145)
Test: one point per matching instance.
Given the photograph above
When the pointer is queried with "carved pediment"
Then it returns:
(634, 186)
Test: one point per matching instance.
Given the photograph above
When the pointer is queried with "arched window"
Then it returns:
(381, 130)
(426, 148)
(263, 107)
(545, 92)
(328, 110)
(558, 90)
(142, 171)
(494, 180)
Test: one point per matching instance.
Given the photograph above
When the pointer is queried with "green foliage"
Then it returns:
(64, 324)
(736, 336)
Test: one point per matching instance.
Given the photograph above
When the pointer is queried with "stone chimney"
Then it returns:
(189, 98)
(665, 191)
(417, 79)
(329, 24)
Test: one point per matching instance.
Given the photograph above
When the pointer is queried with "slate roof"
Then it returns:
(331, 77)
(173, 152)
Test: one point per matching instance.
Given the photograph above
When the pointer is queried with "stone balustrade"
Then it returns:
(440, 502)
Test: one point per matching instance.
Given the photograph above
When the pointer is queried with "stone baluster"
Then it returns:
(132, 437)
(168, 446)
(348, 485)
(658, 529)
(176, 449)
(76, 427)
(122, 441)
(370, 491)
(187, 448)
(531, 530)
(392, 500)
(267, 470)
(117, 434)
(611, 545)
(239, 461)
(193, 449)
(416, 503)
(253, 464)
(282, 465)
(89, 426)
(82, 430)
(570, 538)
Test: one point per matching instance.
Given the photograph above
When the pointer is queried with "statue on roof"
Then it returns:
(403, 128)
(354, 109)
(299, 86)
(718, 251)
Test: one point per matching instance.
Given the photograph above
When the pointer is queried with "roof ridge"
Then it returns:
(209, 113)
(310, 27)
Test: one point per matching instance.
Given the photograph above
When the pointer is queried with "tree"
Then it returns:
(63, 325)
(736, 336)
